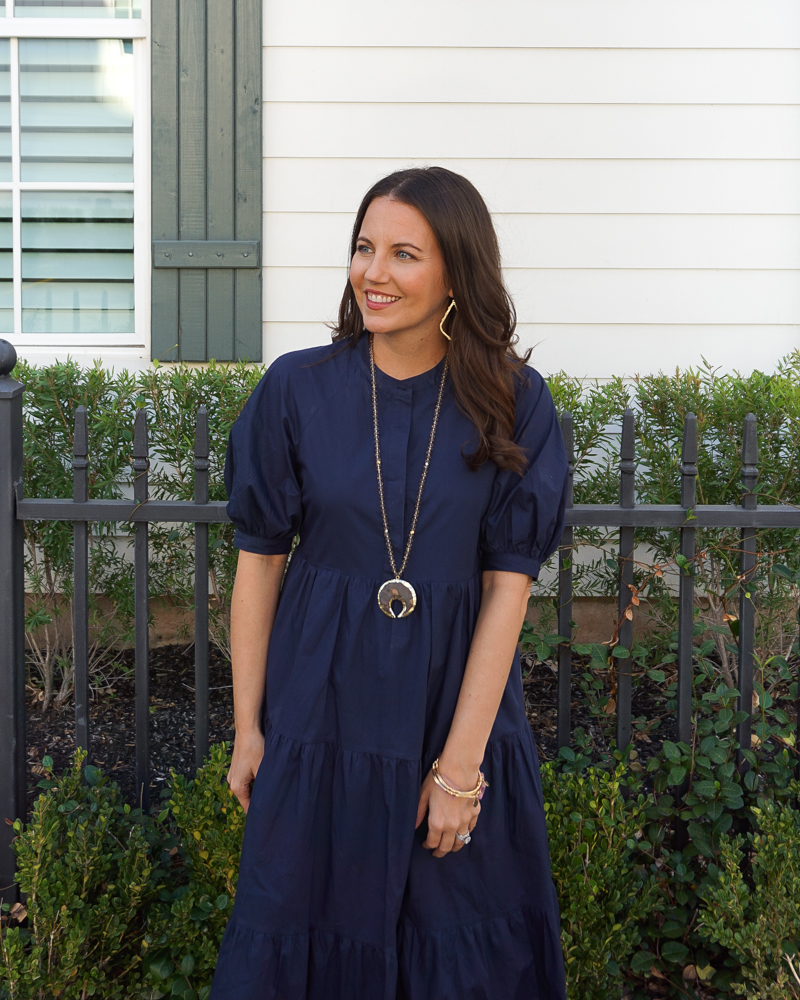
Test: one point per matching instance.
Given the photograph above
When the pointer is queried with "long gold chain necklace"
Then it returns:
(397, 589)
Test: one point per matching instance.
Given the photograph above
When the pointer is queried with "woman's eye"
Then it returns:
(404, 255)
(362, 249)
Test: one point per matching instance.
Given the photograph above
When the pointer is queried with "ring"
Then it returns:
(465, 838)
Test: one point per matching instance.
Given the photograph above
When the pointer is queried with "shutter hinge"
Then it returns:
(206, 253)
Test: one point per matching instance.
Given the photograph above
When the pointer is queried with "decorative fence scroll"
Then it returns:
(627, 516)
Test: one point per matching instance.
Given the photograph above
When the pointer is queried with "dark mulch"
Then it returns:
(172, 719)
(112, 724)
(540, 686)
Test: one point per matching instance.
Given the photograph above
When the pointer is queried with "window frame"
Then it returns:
(138, 29)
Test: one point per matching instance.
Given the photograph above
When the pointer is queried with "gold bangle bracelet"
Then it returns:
(456, 793)
(475, 793)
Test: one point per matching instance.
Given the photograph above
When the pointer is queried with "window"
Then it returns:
(76, 109)
(77, 262)
(74, 128)
(78, 8)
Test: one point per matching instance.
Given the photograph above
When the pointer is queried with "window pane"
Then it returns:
(5, 107)
(76, 113)
(77, 262)
(6, 285)
(77, 8)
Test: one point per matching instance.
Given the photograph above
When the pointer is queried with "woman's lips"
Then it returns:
(379, 301)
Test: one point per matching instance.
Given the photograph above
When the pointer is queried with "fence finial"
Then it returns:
(8, 358)
(140, 462)
(201, 433)
(80, 457)
(201, 462)
(627, 461)
(140, 443)
(750, 454)
(80, 443)
(568, 434)
(689, 462)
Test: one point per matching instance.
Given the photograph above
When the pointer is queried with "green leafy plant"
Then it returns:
(605, 890)
(656, 888)
(185, 926)
(751, 903)
(120, 905)
(693, 795)
(720, 402)
(171, 397)
(90, 868)
(53, 394)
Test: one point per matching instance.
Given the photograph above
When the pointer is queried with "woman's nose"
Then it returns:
(377, 269)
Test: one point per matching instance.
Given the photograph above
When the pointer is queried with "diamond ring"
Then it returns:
(465, 838)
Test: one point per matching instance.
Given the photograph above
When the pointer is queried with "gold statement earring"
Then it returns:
(441, 325)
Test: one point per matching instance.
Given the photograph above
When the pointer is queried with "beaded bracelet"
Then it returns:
(475, 793)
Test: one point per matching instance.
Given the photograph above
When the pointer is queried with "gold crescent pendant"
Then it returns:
(397, 590)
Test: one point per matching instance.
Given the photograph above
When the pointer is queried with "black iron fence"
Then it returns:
(627, 516)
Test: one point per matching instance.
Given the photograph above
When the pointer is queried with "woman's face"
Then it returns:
(397, 272)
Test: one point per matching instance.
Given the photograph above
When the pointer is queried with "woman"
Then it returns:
(420, 460)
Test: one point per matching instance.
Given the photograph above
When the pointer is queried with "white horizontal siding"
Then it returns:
(534, 76)
(733, 187)
(605, 351)
(640, 159)
(643, 24)
(501, 131)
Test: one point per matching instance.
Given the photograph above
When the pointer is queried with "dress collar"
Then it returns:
(430, 378)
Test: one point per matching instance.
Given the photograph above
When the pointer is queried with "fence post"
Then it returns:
(141, 577)
(564, 720)
(797, 700)
(747, 565)
(686, 596)
(80, 599)
(686, 606)
(201, 466)
(12, 621)
(627, 546)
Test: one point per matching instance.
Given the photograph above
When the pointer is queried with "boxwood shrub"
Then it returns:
(126, 906)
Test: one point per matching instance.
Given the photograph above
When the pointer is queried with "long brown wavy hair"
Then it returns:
(483, 356)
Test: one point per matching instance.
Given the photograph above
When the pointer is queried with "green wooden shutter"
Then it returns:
(206, 180)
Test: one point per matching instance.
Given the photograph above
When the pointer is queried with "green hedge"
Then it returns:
(120, 904)
(125, 907)
(171, 396)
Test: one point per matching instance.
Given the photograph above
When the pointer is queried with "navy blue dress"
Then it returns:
(337, 899)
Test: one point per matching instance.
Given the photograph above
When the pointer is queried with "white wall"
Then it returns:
(640, 158)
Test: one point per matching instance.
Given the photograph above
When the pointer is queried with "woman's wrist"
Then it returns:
(462, 772)
(247, 731)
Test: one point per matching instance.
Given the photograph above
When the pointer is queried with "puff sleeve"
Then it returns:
(264, 495)
(525, 516)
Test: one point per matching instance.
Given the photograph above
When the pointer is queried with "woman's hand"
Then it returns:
(247, 753)
(447, 816)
